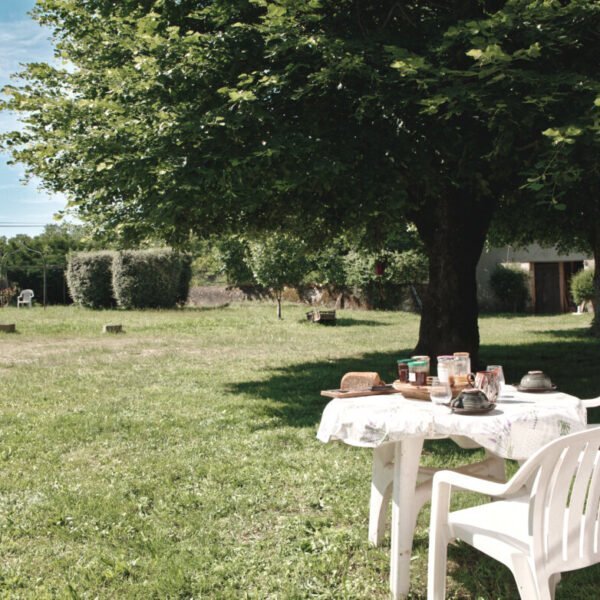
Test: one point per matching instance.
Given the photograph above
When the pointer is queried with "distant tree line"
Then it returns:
(24, 259)
(81, 268)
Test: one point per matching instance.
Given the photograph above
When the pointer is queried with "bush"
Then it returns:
(510, 287)
(89, 278)
(397, 272)
(150, 278)
(582, 286)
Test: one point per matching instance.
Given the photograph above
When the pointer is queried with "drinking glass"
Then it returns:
(440, 392)
(500, 373)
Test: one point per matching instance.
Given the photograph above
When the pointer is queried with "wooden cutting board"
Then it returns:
(375, 390)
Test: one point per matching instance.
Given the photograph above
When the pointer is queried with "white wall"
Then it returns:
(521, 257)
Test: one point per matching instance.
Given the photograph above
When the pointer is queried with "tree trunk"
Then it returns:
(279, 306)
(453, 231)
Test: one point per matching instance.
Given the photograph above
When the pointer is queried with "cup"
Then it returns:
(500, 372)
(461, 380)
(440, 392)
(488, 383)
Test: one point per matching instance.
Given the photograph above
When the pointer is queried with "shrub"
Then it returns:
(7, 293)
(89, 278)
(582, 286)
(510, 288)
(397, 272)
(150, 278)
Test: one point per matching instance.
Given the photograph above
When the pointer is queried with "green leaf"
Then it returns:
(475, 53)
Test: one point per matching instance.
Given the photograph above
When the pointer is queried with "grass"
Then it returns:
(179, 459)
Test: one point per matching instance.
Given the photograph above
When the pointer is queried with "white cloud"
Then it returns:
(22, 42)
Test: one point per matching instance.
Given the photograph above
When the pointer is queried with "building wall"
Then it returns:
(523, 258)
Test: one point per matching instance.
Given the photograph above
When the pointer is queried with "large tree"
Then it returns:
(311, 116)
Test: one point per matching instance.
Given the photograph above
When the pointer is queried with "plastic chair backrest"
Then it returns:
(564, 502)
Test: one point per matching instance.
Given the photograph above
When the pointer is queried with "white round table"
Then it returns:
(396, 427)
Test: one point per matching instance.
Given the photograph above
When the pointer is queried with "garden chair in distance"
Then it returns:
(25, 298)
(542, 522)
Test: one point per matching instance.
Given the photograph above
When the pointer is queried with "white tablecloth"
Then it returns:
(519, 425)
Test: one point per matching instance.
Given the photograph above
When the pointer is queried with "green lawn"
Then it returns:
(179, 459)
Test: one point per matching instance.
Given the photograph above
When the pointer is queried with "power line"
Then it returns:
(23, 224)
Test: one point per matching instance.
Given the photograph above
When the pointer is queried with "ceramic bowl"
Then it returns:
(536, 380)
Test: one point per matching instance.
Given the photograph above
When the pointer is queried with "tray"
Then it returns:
(421, 392)
(375, 390)
(472, 411)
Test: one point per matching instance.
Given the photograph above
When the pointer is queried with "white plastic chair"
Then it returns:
(545, 521)
(25, 298)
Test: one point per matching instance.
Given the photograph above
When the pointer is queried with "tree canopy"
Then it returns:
(313, 117)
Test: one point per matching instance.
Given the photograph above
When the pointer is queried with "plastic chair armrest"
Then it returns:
(472, 484)
(591, 402)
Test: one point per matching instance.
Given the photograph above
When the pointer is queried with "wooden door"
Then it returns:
(547, 288)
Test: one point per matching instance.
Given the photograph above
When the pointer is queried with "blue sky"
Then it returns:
(22, 40)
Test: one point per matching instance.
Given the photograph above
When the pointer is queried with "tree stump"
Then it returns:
(112, 329)
(8, 327)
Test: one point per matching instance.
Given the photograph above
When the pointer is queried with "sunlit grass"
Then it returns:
(179, 459)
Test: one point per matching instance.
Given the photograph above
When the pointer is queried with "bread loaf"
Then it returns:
(360, 380)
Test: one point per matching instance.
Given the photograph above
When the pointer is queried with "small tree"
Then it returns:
(582, 287)
(278, 261)
(329, 269)
(234, 252)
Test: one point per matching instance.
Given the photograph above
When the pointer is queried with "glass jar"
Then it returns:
(445, 369)
(403, 369)
(417, 372)
(462, 363)
(424, 359)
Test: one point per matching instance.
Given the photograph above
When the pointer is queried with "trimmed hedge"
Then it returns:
(150, 278)
(89, 278)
